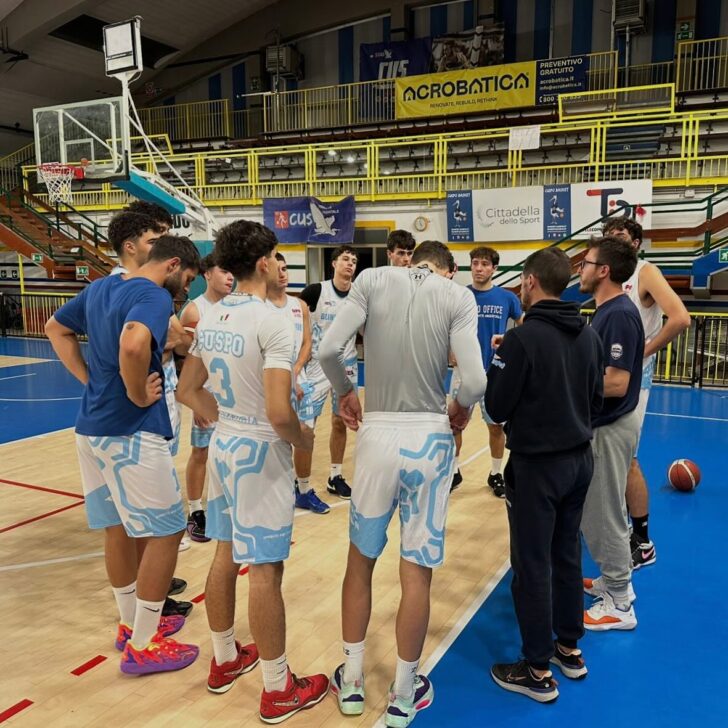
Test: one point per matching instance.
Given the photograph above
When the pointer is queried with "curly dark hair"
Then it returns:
(156, 212)
(129, 226)
(615, 224)
(485, 253)
(241, 244)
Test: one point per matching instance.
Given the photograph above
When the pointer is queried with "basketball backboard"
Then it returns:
(92, 134)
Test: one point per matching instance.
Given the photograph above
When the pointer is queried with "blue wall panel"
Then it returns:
(346, 55)
(581, 28)
(214, 87)
(541, 28)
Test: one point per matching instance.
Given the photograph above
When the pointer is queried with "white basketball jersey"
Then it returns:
(293, 310)
(326, 308)
(652, 316)
(203, 305)
(237, 340)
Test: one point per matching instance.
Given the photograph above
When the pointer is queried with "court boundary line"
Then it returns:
(18, 376)
(687, 417)
(34, 437)
(41, 517)
(50, 562)
(41, 488)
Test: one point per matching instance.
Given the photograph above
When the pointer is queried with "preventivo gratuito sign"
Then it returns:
(488, 88)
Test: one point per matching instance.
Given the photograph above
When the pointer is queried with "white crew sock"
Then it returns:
(404, 679)
(304, 485)
(496, 467)
(354, 661)
(275, 674)
(224, 647)
(146, 622)
(195, 505)
(126, 601)
(335, 470)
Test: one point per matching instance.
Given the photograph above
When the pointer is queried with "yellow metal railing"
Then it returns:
(646, 74)
(10, 166)
(427, 166)
(192, 121)
(702, 65)
(615, 103)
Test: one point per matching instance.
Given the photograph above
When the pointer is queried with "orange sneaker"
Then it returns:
(302, 693)
(167, 627)
(222, 677)
(162, 654)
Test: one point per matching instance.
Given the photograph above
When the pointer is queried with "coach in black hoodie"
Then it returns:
(545, 381)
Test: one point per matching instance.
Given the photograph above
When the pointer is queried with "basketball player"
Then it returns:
(161, 217)
(400, 246)
(298, 312)
(129, 482)
(324, 301)
(132, 235)
(495, 307)
(654, 298)
(545, 381)
(219, 284)
(607, 265)
(247, 350)
(405, 451)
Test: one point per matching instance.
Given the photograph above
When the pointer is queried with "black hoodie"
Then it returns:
(546, 379)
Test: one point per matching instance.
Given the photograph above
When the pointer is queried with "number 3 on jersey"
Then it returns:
(221, 385)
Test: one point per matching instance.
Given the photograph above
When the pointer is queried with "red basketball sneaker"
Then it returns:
(222, 677)
(301, 693)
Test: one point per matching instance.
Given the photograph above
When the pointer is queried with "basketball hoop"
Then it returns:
(57, 178)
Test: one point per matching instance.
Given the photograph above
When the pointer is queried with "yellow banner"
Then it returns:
(462, 92)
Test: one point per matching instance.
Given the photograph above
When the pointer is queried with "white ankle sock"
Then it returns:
(304, 485)
(335, 470)
(146, 622)
(496, 466)
(275, 674)
(126, 601)
(404, 679)
(456, 466)
(195, 505)
(353, 661)
(223, 646)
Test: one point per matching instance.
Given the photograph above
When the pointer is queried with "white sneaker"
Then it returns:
(597, 588)
(604, 614)
(184, 544)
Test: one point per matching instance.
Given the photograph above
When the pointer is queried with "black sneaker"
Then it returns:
(338, 486)
(172, 606)
(456, 480)
(643, 554)
(518, 678)
(196, 526)
(176, 587)
(572, 666)
(497, 485)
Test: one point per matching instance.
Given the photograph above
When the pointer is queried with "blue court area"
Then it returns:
(669, 670)
(35, 398)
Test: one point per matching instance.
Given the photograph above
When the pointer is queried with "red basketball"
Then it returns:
(684, 475)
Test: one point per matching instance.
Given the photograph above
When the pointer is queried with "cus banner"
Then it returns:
(466, 91)
(308, 220)
(390, 60)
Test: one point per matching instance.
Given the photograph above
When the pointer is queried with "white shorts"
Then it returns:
(251, 496)
(455, 383)
(316, 390)
(641, 410)
(405, 459)
(175, 419)
(131, 480)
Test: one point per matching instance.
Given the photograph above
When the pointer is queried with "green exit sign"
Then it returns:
(37, 258)
(81, 271)
(723, 255)
(685, 35)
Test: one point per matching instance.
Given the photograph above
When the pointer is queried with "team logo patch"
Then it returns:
(616, 351)
(280, 219)
(498, 362)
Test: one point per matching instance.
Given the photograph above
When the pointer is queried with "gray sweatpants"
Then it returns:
(604, 521)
